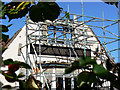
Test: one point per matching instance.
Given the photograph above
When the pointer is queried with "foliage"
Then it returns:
(16, 63)
(111, 3)
(4, 36)
(40, 12)
(67, 15)
(33, 84)
(3, 10)
(4, 29)
(37, 12)
(11, 76)
(92, 73)
(7, 86)
(47, 11)
(86, 77)
(15, 10)
(3, 49)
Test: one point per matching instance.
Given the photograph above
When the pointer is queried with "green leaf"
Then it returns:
(3, 10)
(75, 65)
(47, 11)
(116, 68)
(5, 38)
(8, 61)
(85, 86)
(67, 15)
(7, 86)
(34, 15)
(24, 65)
(10, 77)
(116, 83)
(9, 25)
(83, 61)
(3, 49)
(22, 85)
(109, 65)
(31, 83)
(90, 61)
(17, 10)
(69, 70)
(20, 75)
(100, 71)
(4, 28)
(112, 3)
(51, 10)
(86, 77)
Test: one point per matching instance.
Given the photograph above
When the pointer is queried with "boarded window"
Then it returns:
(59, 51)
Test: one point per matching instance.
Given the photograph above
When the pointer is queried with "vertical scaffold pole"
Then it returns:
(103, 26)
(41, 71)
(83, 28)
(27, 44)
(39, 51)
(119, 31)
(70, 45)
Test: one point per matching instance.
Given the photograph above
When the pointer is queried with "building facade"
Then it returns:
(49, 47)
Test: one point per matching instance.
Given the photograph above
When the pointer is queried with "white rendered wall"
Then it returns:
(53, 79)
(12, 51)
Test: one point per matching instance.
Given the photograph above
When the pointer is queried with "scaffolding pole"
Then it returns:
(27, 45)
(79, 37)
(119, 30)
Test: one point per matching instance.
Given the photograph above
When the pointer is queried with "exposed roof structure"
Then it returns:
(111, 59)
(47, 40)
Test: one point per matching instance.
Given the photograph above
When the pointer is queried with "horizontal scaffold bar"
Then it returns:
(107, 37)
(111, 41)
(114, 49)
(92, 17)
(41, 36)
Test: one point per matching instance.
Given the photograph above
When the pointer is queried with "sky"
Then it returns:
(95, 9)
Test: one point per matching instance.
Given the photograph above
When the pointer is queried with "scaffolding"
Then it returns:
(64, 41)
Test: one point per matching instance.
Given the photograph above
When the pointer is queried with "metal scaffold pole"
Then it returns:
(26, 44)
(119, 31)
(84, 31)
(39, 51)
(39, 56)
(74, 40)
